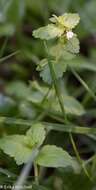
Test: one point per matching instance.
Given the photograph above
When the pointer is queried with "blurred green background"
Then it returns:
(19, 54)
(18, 18)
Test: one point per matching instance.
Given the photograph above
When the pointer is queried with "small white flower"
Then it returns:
(69, 34)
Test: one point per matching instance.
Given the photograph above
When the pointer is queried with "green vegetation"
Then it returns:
(47, 94)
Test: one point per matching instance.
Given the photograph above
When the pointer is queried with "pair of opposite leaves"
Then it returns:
(60, 26)
(65, 48)
(24, 147)
(49, 155)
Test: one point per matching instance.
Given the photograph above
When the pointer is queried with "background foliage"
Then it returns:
(23, 92)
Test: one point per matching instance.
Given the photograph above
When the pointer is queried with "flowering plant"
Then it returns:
(65, 47)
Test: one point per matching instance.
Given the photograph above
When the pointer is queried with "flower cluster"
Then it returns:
(67, 22)
(63, 49)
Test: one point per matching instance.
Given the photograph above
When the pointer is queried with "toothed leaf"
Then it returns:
(53, 156)
(62, 51)
(72, 45)
(69, 20)
(72, 106)
(16, 147)
(20, 147)
(59, 68)
(48, 32)
(37, 133)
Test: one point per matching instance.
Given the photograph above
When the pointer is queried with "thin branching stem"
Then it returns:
(9, 56)
(58, 93)
(78, 157)
(84, 84)
(50, 126)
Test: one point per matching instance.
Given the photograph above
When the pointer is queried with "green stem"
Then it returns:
(43, 113)
(84, 84)
(55, 82)
(9, 56)
(36, 175)
(3, 47)
(57, 89)
(78, 156)
(68, 128)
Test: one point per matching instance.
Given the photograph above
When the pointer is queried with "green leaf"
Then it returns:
(20, 147)
(18, 89)
(81, 63)
(24, 92)
(71, 105)
(15, 146)
(72, 45)
(59, 68)
(37, 133)
(69, 20)
(42, 64)
(48, 32)
(27, 111)
(62, 51)
(53, 156)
